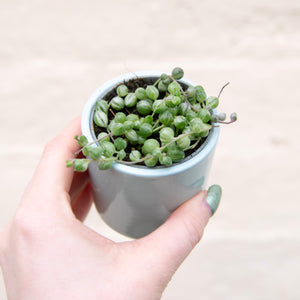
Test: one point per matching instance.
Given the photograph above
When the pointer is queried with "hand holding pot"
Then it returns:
(46, 252)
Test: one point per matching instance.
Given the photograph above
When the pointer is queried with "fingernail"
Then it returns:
(213, 197)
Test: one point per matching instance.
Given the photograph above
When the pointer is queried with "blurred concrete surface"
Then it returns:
(54, 54)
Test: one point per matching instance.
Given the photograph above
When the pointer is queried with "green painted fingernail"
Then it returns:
(213, 197)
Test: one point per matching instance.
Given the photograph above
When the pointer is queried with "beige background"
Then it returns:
(54, 54)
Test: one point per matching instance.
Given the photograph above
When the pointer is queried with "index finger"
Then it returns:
(52, 173)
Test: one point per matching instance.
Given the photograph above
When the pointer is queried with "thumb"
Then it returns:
(172, 242)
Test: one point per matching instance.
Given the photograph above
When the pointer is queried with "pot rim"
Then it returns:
(137, 170)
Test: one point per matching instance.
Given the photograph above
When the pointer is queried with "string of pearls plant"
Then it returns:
(157, 124)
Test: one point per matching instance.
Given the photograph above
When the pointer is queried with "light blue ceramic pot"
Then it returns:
(135, 200)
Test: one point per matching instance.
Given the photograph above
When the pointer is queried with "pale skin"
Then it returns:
(47, 252)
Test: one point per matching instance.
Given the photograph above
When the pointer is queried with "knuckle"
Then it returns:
(20, 222)
(24, 224)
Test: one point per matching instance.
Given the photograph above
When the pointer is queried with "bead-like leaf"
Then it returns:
(100, 118)
(81, 165)
(177, 73)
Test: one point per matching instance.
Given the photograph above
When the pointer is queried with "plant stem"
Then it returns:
(222, 89)
(158, 128)
(226, 122)
(176, 139)
(133, 162)
(157, 82)
(93, 142)
(193, 146)
(112, 112)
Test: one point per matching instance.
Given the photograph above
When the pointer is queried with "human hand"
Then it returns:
(46, 252)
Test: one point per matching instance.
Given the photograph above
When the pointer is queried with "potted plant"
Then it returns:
(148, 141)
